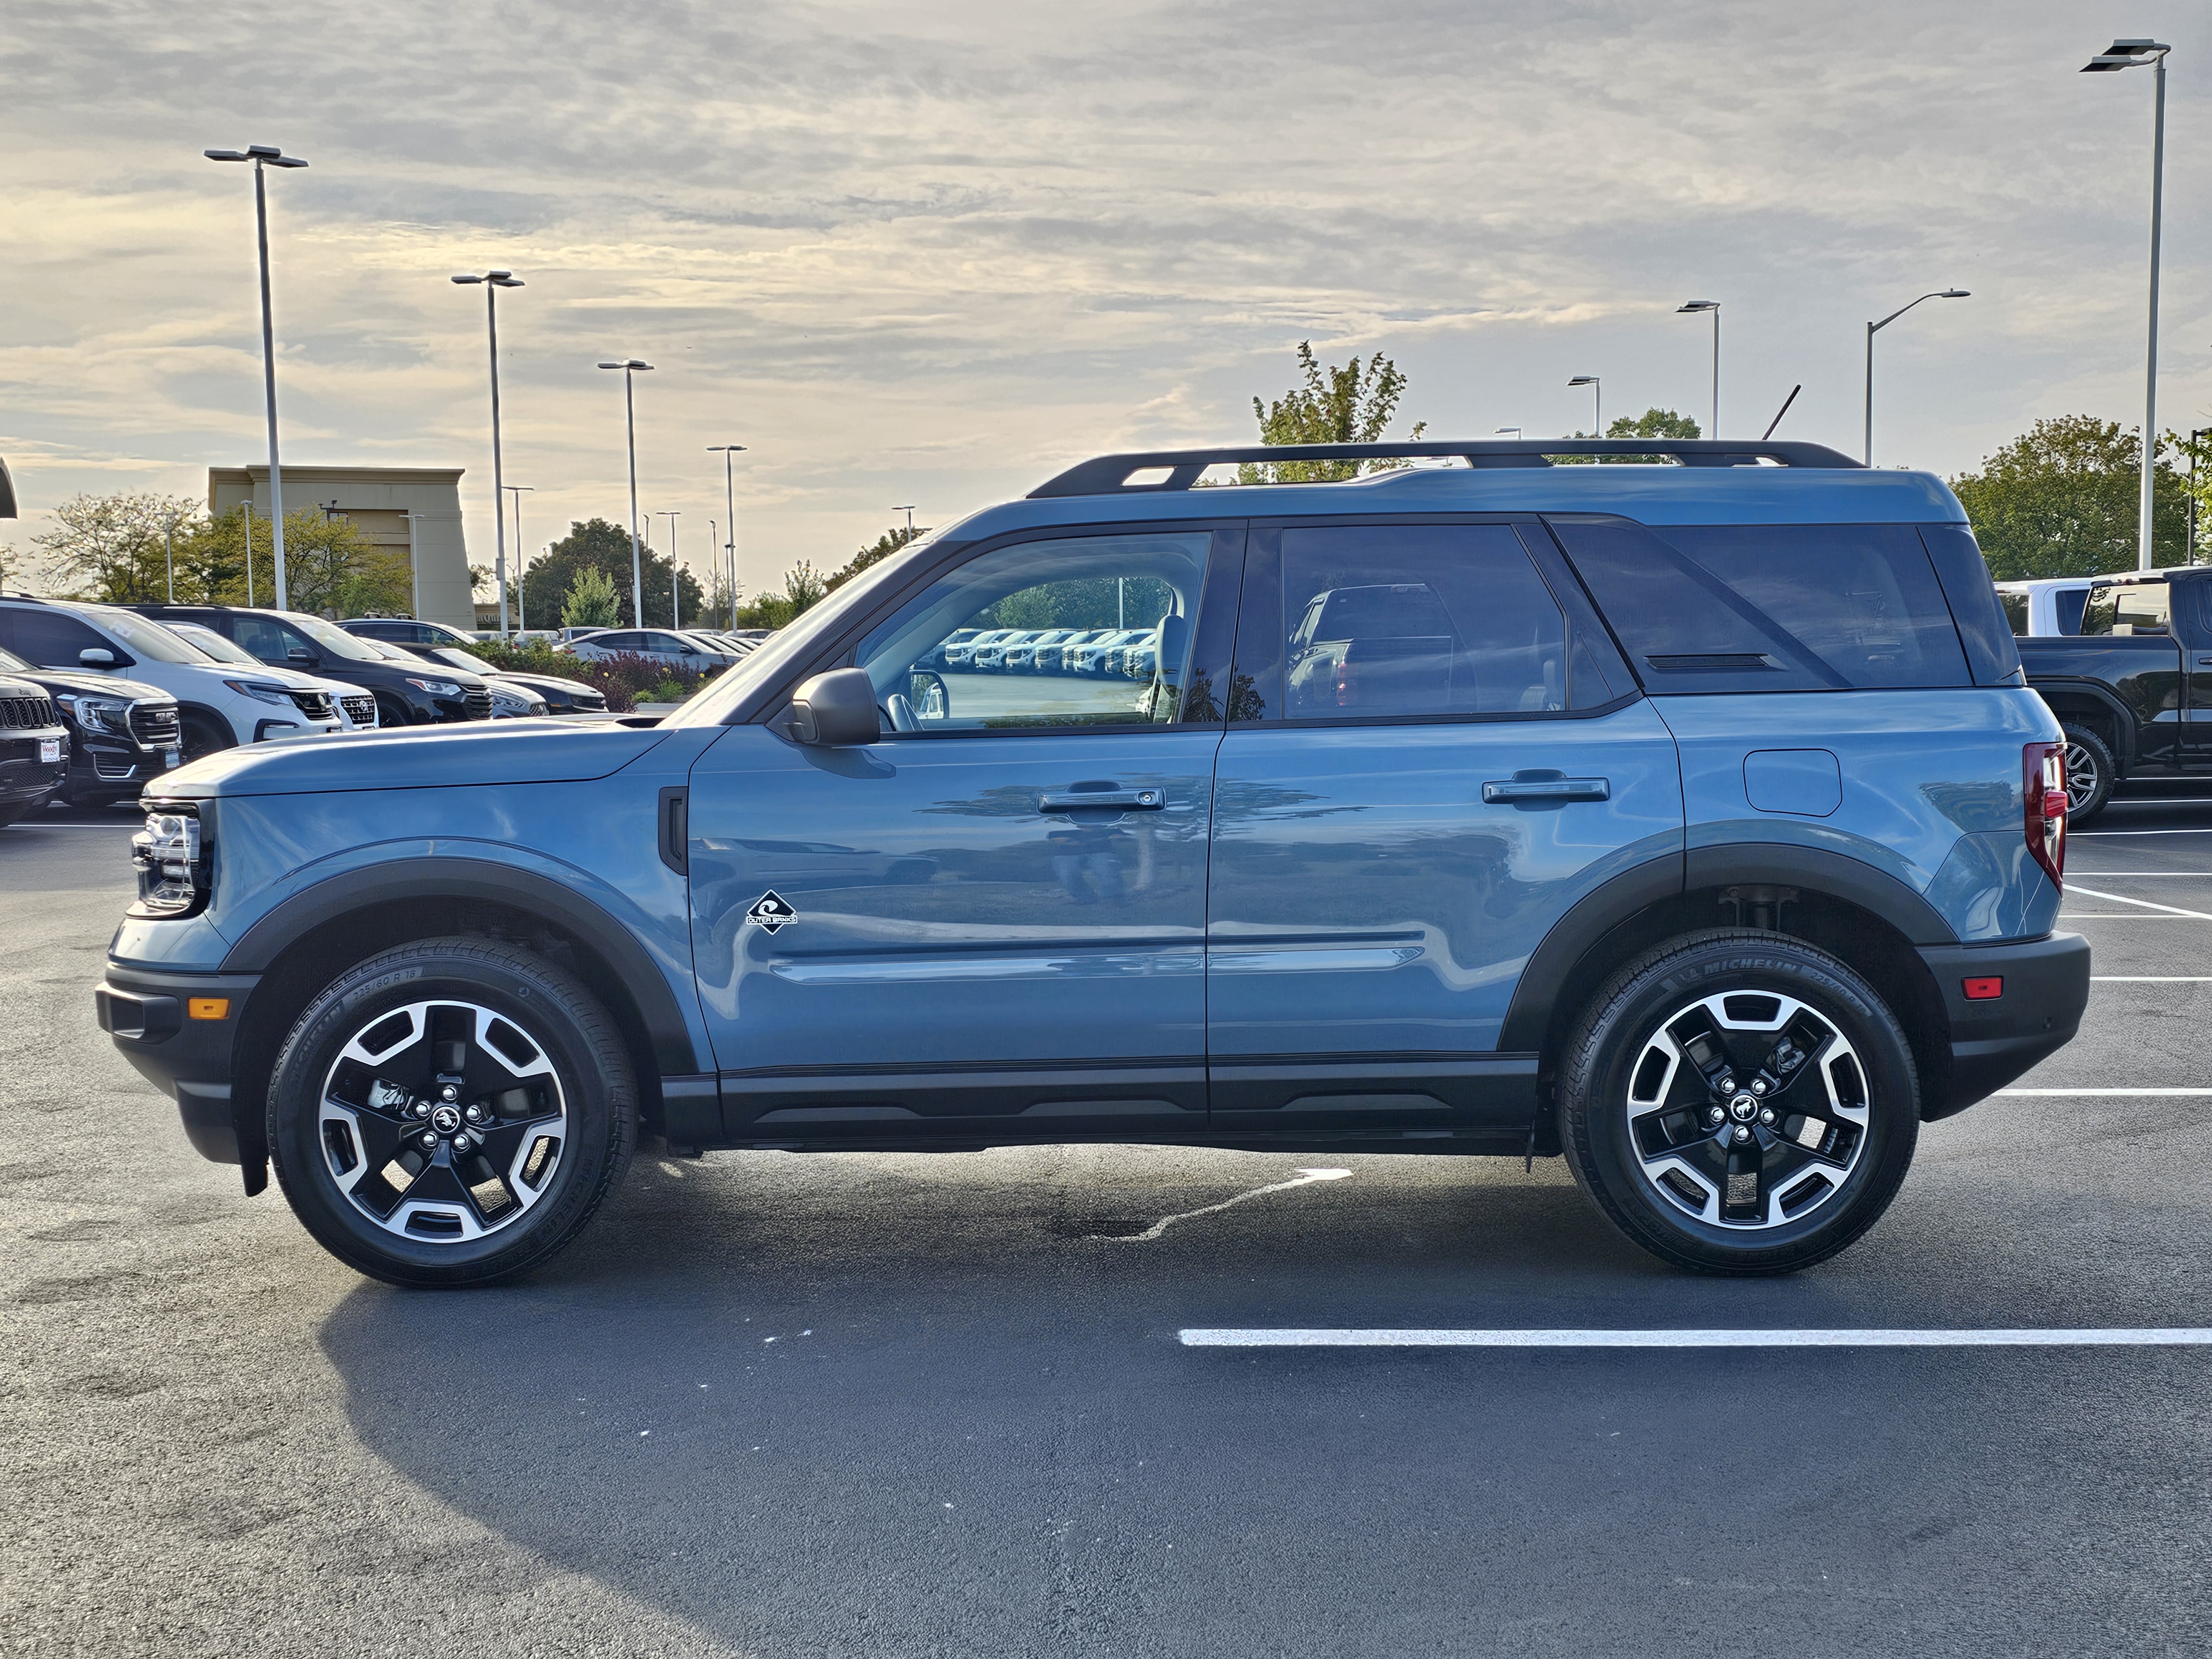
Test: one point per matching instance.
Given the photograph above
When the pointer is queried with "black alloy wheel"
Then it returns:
(1738, 1102)
(2090, 774)
(202, 737)
(451, 1112)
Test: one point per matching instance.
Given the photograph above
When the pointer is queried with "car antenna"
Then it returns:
(1780, 412)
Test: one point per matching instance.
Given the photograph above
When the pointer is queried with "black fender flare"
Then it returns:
(462, 880)
(2123, 718)
(186, 708)
(1778, 864)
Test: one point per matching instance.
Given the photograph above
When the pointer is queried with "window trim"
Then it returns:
(1581, 622)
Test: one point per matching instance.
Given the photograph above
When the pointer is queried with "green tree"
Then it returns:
(2063, 500)
(1653, 423)
(1353, 404)
(875, 553)
(590, 601)
(596, 543)
(109, 547)
(332, 569)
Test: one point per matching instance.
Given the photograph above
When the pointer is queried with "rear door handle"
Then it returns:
(1127, 800)
(1548, 789)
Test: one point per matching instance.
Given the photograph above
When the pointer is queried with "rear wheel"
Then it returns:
(450, 1113)
(2090, 774)
(1739, 1102)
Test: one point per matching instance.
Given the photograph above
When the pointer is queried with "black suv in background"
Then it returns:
(435, 642)
(33, 748)
(123, 733)
(288, 639)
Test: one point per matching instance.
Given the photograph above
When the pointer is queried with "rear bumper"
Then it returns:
(148, 1016)
(1994, 1039)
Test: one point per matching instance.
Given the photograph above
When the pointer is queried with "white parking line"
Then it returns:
(2140, 832)
(2150, 979)
(2138, 875)
(2132, 1093)
(2121, 1336)
(2143, 904)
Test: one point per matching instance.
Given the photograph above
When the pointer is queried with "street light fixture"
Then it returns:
(1503, 430)
(2135, 54)
(730, 499)
(1713, 306)
(266, 155)
(1874, 329)
(494, 281)
(908, 511)
(675, 570)
(631, 366)
(1597, 402)
(521, 558)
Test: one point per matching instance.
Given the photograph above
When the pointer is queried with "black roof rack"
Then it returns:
(1108, 475)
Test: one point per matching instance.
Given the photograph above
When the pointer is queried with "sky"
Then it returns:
(933, 254)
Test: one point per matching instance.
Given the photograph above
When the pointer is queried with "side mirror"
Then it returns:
(301, 654)
(95, 656)
(836, 710)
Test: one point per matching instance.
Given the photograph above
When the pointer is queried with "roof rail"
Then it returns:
(1108, 475)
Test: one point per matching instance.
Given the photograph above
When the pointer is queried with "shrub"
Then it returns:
(625, 679)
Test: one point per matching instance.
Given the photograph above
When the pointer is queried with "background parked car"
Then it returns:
(406, 630)
(508, 700)
(1093, 657)
(662, 645)
(313, 646)
(219, 704)
(356, 708)
(34, 758)
(561, 696)
(123, 733)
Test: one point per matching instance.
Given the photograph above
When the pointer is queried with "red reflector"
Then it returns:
(1982, 990)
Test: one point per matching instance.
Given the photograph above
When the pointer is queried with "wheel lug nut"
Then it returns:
(1767, 1116)
(428, 1143)
(1727, 1082)
(464, 1142)
(1758, 1085)
(1742, 1133)
(449, 1091)
(422, 1109)
(473, 1113)
(1715, 1115)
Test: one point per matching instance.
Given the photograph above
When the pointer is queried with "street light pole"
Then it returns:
(1597, 402)
(908, 511)
(730, 501)
(521, 559)
(675, 570)
(494, 281)
(271, 156)
(1874, 329)
(630, 367)
(1713, 306)
(2134, 54)
(248, 506)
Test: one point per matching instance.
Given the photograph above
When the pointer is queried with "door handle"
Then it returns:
(1548, 789)
(2204, 662)
(1126, 800)
(675, 830)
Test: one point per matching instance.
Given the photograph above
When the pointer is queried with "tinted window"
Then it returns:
(2129, 608)
(1150, 582)
(1771, 608)
(616, 641)
(1387, 620)
(2016, 610)
(263, 638)
(49, 638)
(2070, 603)
(1983, 628)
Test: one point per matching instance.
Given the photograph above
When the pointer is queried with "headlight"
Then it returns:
(262, 690)
(171, 878)
(435, 688)
(108, 714)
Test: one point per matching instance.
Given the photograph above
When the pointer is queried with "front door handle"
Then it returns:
(2204, 662)
(1548, 789)
(1126, 800)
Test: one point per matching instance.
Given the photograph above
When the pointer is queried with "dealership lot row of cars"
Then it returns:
(1114, 653)
(98, 701)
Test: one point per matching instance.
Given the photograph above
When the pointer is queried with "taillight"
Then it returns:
(2043, 767)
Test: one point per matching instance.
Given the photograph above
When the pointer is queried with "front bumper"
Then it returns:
(23, 775)
(150, 1017)
(2046, 987)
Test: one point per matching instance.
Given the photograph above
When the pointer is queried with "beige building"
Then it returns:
(414, 511)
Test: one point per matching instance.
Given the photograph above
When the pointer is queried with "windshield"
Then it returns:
(712, 706)
(213, 644)
(140, 636)
(335, 641)
(12, 664)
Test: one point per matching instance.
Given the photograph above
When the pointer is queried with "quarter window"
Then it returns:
(2129, 608)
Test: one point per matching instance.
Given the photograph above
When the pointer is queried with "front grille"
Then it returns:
(155, 724)
(27, 712)
(360, 710)
(588, 702)
(479, 706)
(315, 705)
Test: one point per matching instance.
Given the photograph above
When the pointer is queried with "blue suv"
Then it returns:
(1689, 820)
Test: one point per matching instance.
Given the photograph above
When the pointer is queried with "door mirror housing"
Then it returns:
(304, 657)
(836, 710)
(95, 656)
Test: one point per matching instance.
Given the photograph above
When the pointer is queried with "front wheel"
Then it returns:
(2090, 774)
(451, 1112)
(1738, 1102)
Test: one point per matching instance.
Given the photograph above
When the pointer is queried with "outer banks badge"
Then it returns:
(770, 912)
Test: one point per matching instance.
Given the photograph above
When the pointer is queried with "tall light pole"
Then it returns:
(248, 505)
(2133, 54)
(730, 501)
(1713, 306)
(675, 570)
(1597, 402)
(631, 366)
(1874, 329)
(521, 559)
(268, 156)
(494, 281)
(908, 511)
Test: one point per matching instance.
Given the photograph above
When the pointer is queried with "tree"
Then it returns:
(1352, 405)
(330, 568)
(592, 601)
(875, 553)
(109, 547)
(598, 545)
(1653, 423)
(2063, 500)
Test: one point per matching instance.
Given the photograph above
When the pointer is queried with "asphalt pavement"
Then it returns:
(908, 1405)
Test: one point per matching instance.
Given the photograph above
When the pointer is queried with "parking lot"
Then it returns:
(912, 1404)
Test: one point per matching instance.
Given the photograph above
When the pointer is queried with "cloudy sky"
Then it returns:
(932, 253)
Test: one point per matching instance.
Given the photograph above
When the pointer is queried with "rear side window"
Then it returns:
(2016, 610)
(1771, 608)
(2129, 608)
(1983, 628)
